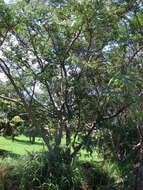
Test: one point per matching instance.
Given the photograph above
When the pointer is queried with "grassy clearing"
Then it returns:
(21, 145)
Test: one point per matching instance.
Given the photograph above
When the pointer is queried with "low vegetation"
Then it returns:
(28, 166)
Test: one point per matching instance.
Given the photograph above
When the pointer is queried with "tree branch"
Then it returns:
(10, 99)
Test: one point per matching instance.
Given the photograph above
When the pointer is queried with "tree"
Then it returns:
(76, 67)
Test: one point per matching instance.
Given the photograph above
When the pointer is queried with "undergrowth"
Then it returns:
(36, 171)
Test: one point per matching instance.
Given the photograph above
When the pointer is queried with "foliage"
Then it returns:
(65, 53)
(37, 171)
(76, 69)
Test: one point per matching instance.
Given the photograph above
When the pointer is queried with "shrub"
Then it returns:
(40, 171)
(37, 171)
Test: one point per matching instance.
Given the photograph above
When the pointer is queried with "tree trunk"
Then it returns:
(58, 136)
(12, 135)
(33, 139)
(68, 141)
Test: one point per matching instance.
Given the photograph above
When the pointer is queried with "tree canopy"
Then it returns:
(76, 69)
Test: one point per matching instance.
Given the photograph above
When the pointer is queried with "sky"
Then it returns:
(3, 77)
(9, 1)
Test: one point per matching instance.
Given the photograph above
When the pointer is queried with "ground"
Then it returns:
(21, 145)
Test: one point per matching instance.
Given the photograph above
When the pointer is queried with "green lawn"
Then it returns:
(21, 145)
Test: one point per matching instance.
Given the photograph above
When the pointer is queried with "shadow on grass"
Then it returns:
(27, 142)
(96, 177)
(6, 153)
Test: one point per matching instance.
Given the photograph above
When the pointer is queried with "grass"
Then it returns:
(110, 168)
(21, 145)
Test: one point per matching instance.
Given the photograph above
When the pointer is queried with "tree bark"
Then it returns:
(33, 139)
(68, 142)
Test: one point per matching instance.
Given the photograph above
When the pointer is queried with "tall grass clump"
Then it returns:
(39, 171)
